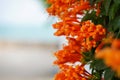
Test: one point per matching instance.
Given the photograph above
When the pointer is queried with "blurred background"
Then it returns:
(27, 43)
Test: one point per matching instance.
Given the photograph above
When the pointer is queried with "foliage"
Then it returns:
(44, 3)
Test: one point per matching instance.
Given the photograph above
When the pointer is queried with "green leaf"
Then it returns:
(117, 1)
(88, 56)
(115, 24)
(89, 16)
(107, 5)
(109, 74)
(44, 3)
(98, 65)
(96, 76)
(113, 10)
(98, 1)
(92, 2)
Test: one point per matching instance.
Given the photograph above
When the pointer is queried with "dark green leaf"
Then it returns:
(109, 74)
(115, 24)
(117, 1)
(44, 3)
(107, 5)
(113, 10)
(88, 56)
(96, 76)
(98, 1)
(99, 65)
(92, 2)
(89, 16)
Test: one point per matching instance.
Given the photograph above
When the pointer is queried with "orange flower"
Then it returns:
(81, 36)
(70, 53)
(111, 55)
(72, 7)
(98, 9)
(66, 28)
(72, 73)
(107, 40)
(90, 34)
(64, 56)
(116, 44)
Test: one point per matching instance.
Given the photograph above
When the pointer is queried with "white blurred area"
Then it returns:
(27, 43)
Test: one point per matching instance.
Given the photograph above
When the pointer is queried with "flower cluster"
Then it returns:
(72, 73)
(87, 34)
(81, 38)
(86, 24)
(67, 8)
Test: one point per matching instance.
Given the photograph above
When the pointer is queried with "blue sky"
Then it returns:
(25, 20)
(22, 12)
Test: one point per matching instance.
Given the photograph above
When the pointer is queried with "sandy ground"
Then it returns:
(20, 78)
(27, 62)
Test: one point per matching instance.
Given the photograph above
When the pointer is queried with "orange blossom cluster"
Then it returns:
(81, 36)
